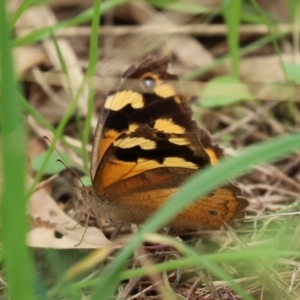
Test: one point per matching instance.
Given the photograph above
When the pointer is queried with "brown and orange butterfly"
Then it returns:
(146, 144)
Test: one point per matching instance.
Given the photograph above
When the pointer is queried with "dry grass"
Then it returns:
(196, 42)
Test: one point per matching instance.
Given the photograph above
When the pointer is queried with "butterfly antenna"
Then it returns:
(63, 162)
(85, 230)
(69, 168)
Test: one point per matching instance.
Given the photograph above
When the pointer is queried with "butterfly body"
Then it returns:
(146, 145)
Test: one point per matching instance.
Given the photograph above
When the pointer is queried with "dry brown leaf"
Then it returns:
(278, 8)
(39, 17)
(264, 69)
(146, 15)
(27, 57)
(187, 47)
(52, 228)
(36, 146)
(41, 132)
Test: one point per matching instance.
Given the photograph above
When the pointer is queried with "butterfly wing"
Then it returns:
(142, 169)
(145, 149)
(210, 212)
(149, 95)
(146, 145)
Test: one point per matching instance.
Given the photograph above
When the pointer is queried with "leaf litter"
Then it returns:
(273, 190)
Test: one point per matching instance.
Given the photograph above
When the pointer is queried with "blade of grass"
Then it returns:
(295, 12)
(57, 135)
(171, 265)
(272, 30)
(70, 89)
(23, 6)
(62, 63)
(17, 258)
(273, 36)
(232, 15)
(207, 180)
(90, 73)
(83, 17)
(93, 57)
(243, 51)
(294, 8)
(184, 7)
(196, 261)
(27, 108)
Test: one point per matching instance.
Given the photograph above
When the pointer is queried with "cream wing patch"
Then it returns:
(179, 162)
(130, 142)
(119, 100)
(168, 126)
(165, 90)
(179, 141)
(132, 127)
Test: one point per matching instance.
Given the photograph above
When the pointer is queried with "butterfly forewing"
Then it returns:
(145, 95)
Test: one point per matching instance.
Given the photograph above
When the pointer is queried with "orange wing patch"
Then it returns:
(139, 196)
(213, 156)
(143, 150)
(212, 211)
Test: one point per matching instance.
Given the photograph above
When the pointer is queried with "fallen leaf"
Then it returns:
(52, 228)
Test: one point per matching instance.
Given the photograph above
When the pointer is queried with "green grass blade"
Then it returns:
(243, 51)
(242, 256)
(71, 93)
(62, 62)
(84, 17)
(28, 109)
(17, 258)
(93, 58)
(23, 6)
(273, 36)
(232, 16)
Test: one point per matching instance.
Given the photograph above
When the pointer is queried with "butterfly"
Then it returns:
(146, 145)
